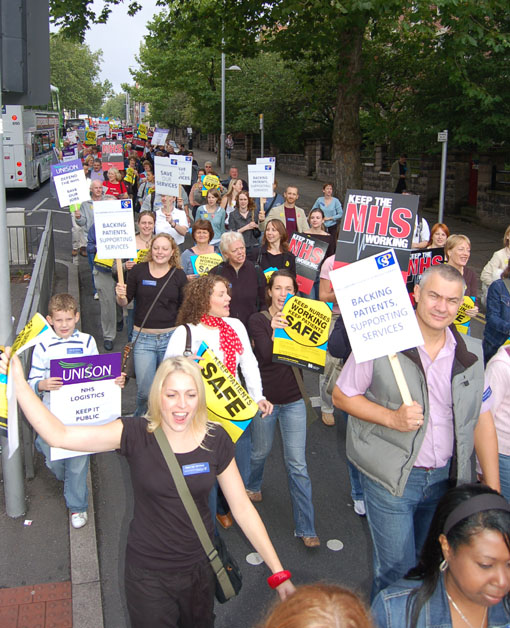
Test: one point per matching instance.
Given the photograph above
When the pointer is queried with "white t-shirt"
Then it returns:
(163, 226)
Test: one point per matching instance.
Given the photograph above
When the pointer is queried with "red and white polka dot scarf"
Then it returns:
(229, 340)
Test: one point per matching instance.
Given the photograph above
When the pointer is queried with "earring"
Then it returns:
(443, 565)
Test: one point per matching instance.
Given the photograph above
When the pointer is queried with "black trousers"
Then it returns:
(181, 598)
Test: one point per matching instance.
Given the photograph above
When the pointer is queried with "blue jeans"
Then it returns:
(292, 419)
(71, 471)
(148, 354)
(504, 475)
(90, 258)
(399, 525)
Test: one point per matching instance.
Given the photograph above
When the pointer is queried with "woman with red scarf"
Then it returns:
(206, 309)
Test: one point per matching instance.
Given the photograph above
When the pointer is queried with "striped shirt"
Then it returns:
(56, 348)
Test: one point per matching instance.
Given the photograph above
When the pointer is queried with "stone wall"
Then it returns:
(293, 164)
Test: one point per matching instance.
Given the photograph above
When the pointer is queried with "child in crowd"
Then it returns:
(65, 342)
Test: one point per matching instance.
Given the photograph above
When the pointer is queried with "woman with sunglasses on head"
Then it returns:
(463, 577)
(169, 582)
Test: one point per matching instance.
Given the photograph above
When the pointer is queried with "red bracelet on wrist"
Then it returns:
(277, 578)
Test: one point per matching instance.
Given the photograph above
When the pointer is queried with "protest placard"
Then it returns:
(112, 155)
(202, 264)
(70, 153)
(159, 137)
(373, 222)
(72, 136)
(184, 165)
(90, 138)
(304, 341)
(462, 320)
(260, 180)
(142, 131)
(262, 161)
(88, 396)
(417, 261)
(30, 335)
(210, 182)
(166, 176)
(115, 229)
(103, 129)
(375, 306)
(70, 183)
(227, 401)
(309, 252)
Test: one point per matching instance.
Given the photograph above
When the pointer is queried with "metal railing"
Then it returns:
(36, 300)
(500, 179)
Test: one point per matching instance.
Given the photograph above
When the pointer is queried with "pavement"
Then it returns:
(50, 574)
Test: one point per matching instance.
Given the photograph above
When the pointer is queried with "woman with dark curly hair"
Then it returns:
(274, 252)
(463, 575)
(206, 309)
(162, 271)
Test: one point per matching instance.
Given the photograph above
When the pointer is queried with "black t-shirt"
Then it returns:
(278, 380)
(161, 535)
(143, 287)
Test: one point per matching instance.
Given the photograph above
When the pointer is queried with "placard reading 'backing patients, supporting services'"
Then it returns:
(70, 183)
(260, 180)
(262, 161)
(309, 253)
(227, 401)
(375, 306)
(115, 229)
(304, 341)
(89, 394)
(373, 222)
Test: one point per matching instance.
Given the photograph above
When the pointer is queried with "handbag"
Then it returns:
(128, 353)
(228, 576)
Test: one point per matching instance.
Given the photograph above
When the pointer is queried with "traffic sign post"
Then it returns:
(442, 137)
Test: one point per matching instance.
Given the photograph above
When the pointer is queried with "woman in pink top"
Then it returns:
(497, 375)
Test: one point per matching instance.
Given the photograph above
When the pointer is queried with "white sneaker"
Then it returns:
(96, 296)
(79, 519)
(359, 507)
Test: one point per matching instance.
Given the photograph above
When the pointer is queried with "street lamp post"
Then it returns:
(222, 136)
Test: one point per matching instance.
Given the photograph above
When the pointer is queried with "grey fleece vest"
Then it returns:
(386, 455)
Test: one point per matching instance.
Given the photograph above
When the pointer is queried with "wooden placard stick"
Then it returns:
(261, 208)
(401, 380)
(120, 272)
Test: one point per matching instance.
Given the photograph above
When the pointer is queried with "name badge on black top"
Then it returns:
(149, 282)
(195, 468)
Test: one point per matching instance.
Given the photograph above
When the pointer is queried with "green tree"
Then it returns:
(115, 106)
(75, 70)
(338, 31)
(75, 17)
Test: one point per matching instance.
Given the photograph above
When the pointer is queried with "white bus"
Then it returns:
(30, 134)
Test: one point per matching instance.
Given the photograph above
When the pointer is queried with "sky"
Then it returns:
(119, 39)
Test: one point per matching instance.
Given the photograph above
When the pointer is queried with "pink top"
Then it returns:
(436, 449)
(326, 268)
(498, 377)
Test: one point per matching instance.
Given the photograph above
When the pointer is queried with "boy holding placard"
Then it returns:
(65, 342)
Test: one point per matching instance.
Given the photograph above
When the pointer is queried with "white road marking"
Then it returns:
(37, 206)
(335, 545)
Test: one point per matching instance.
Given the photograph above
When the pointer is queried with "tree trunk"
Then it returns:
(346, 128)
